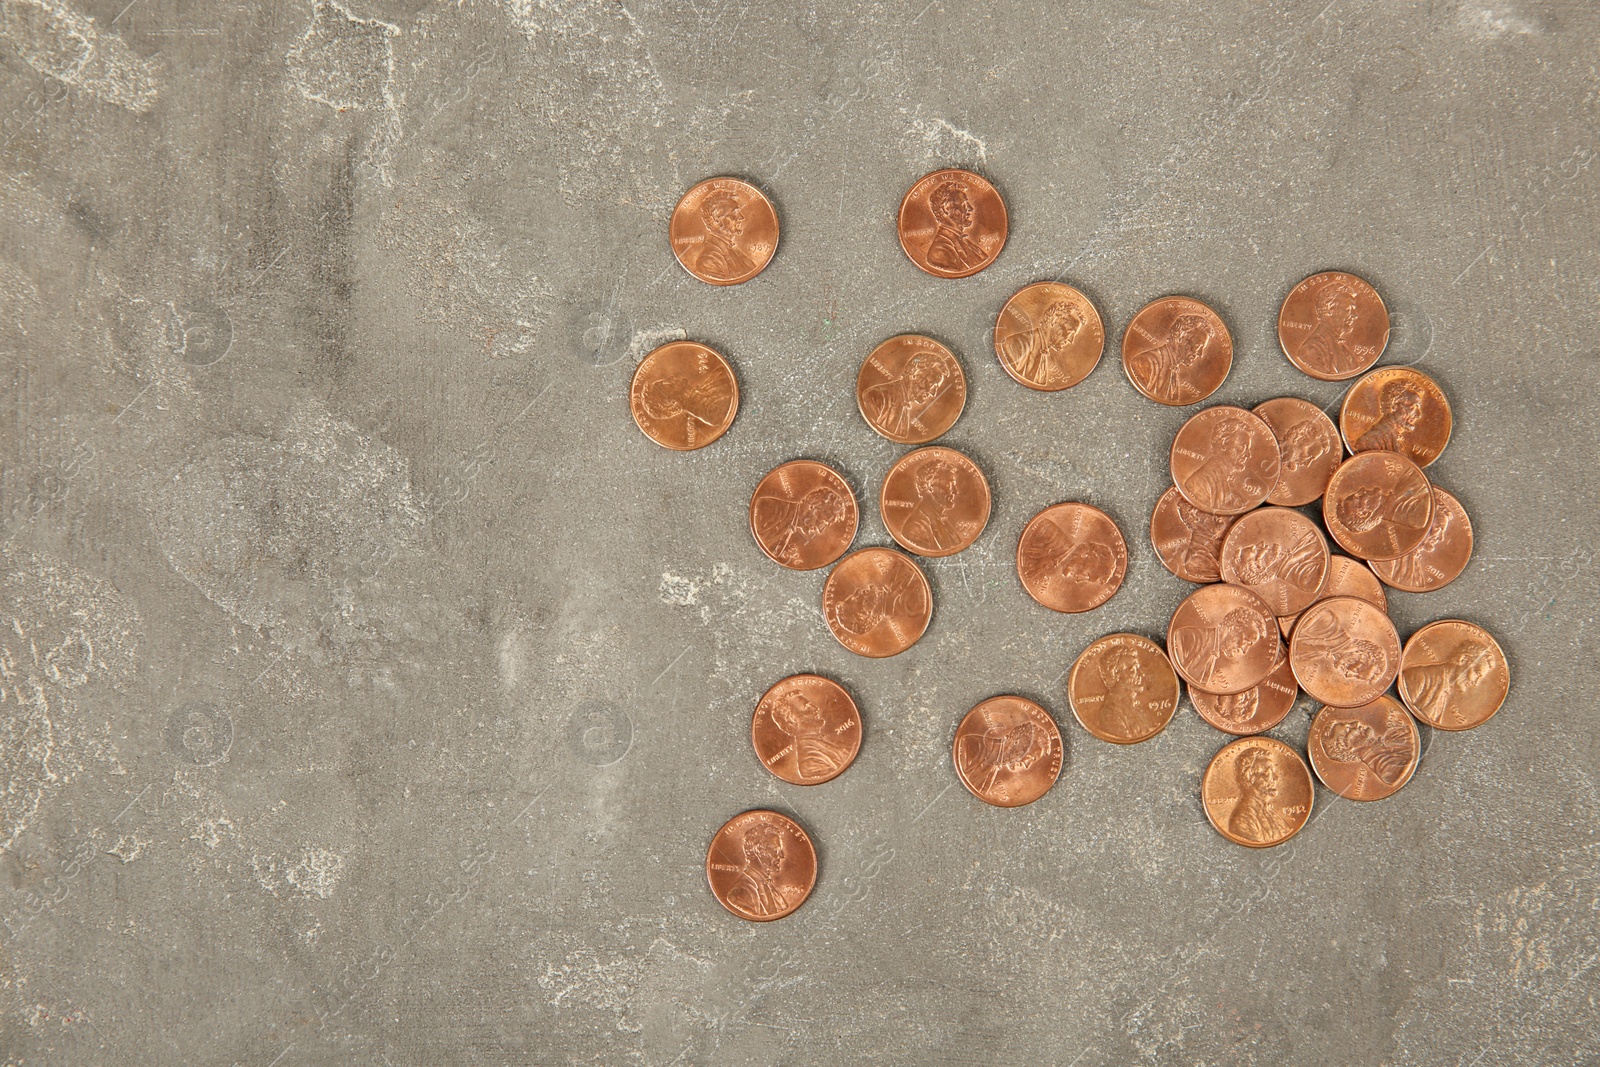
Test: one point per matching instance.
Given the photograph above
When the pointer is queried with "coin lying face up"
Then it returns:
(806, 729)
(953, 223)
(724, 231)
(1333, 326)
(1176, 351)
(877, 602)
(1123, 689)
(935, 501)
(1071, 557)
(803, 515)
(911, 389)
(1049, 337)
(1365, 753)
(1007, 751)
(1453, 675)
(684, 395)
(761, 865)
(1257, 792)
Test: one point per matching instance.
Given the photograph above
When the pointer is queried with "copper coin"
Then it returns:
(1344, 652)
(911, 389)
(1365, 753)
(1123, 689)
(1257, 709)
(1442, 555)
(1257, 792)
(1378, 505)
(877, 602)
(806, 729)
(1007, 752)
(1176, 351)
(1346, 577)
(1225, 460)
(1396, 409)
(684, 395)
(1223, 639)
(1049, 336)
(724, 231)
(1279, 555)
(1309, 449)
(1188, 541)
(761, 866)
(1333, 326)
(1453, 675)
(953, 223)
(803, 515)
(935, 501)
(1071, 557)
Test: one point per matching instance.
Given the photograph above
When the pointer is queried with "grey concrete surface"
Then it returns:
(372, 687)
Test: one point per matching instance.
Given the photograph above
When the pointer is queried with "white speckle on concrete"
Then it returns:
(62, 44)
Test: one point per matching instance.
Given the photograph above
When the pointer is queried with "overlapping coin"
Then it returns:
(1309, 449)
(1223, 639)
(1254, 710)
(1344, 652)
(1378, 506)
(1279, 555)
(1225, 460)
(1367, 752)
(1396, 409)
(1188, 540)
(1440, 557)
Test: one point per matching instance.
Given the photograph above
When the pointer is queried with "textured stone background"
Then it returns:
(372, 686)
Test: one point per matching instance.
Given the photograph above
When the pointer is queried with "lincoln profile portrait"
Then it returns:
(1161, 368)
(720, 256)
(951, 249)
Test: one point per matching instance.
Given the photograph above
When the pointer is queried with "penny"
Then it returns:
(1257, 792)
(1123, 689)
(806, 729)
(1309, 449)
(724, 231)
(684, 395)
(953, 223)
(1346, 577)
(1007, 751)
(1049, 336)
(1071, 557)
(1257, 709)
(911, 389)
(1396, 409)
(1333, 326)
(1364, 753)
(1344, 652)
(1378, 506)
(1223, 639)
(1453, 675)
(1225, 460)
(1279, 555)
(877, 602)
(761, 865)
(934, 501)
(803, 515)
(1188, 541)
(1176, 351)
(1442, 555)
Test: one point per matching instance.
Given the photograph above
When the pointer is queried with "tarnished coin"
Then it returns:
(1071, 557)
(1049, 336)
(1346, 577)
(1333, 326)
(1279, 555)
(1364, 753)
(1309, 449)
(803, 515)
(1442, 555)
(684, 395)
(1257, 792)
(1257, 709)
(1123, 689)
(724, 231)
(1344, 652)
(911, 389)
(1007, 751)
(1225, 460)
(1453, 675)
(1187, 540)
(761, 866)
(1396, 409)
(953, 223)
(806, 729)
(1176, 351)
(935, 501)
(1378, 506)
(1223, 639)
(877, 602)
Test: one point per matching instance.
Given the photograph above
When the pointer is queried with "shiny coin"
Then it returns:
(1049, 336)
(724, 231)
(1257, 792)
(1279, 555)
(803, 515)
(877, 602)
(1223, 639)
(761, 866)
(935, 501)
(1333, 326)
(684, 396)
(1176, 351)
(806, 729)
(911, 389)
(1007, 751)
(1364, 753)
(1187, 540)
(1378, 506)
(1257, 709)
(1442, 555)
(1309, 449)
(1346, 577)
(1344, 652)
(1225, 460)
(1071, 557)
(1396, 409)
(1123, 689)
(953, 223)
(1453, 675)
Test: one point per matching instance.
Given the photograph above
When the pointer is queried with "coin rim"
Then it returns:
(988, 501)
(1311, 791)
(1406, 700)
(926, 589)
(1311, 750)
(995, 335)
(855, 709)
(855, 513)
(1388, 327)
(733, 407)
(1199, 399)
(1051, 719)
(1103, 514)
(899, 224)
(816, 866)
(959, 407)
(777, 226)
(1072, 701)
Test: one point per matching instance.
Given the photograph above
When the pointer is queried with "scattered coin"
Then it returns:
(1176, 351)
(1223, 639)
(1442, 555)
(806, 729)
(1007, 751)
(761, 865)
(911, 389)
(1378, 506)
(1279, 555)
(934, 501)
(1309, 449)
(953, 223)
(1225, 460)
(684, 395)
(1344, 652)
(1049, 336)
(1346, 577)
(1396, 409)
(1187, 540)
(1333, 326)
(1257, 792)
(803, 515)
(1071, 557)
(1364, 753)
(724, 231)
(877, 602)
(1123, 689)
(1453, 676)
(1257, 709)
